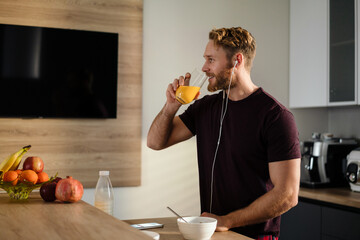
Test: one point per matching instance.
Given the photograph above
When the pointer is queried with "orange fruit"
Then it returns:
(11, 176)
(42, 177)
(18, 171)
(29, 176)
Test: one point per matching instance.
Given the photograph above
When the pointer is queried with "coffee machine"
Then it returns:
(323, 161)
(353, 170)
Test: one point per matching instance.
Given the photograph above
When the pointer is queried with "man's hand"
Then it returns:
(171, 90)
(222, 224)
(168, 129)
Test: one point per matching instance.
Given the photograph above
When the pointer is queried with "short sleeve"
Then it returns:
(282, 137)
(188, 118)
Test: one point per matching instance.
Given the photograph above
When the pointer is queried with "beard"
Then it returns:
(222, 81)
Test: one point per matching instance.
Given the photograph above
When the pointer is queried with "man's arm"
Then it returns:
(166, 129)
(285, 176)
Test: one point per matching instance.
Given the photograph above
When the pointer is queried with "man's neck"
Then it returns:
(244, 87)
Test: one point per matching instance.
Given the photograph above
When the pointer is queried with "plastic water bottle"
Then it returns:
(104, 195)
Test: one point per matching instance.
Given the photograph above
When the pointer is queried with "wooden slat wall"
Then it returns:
(81, 148)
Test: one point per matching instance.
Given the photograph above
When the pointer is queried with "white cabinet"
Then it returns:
(308, 53)
(357, 47)
(323, 53)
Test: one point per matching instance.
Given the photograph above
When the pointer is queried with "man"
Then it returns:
(248, 147)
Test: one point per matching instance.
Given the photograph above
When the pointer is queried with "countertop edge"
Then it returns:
(342, 198)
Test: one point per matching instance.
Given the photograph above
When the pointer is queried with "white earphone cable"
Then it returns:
(222, 116)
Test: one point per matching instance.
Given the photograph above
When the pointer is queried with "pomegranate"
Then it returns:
(69, 190)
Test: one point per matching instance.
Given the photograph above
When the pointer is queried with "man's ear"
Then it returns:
(238, 59)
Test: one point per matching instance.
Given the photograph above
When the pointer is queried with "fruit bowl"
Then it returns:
(21, 190)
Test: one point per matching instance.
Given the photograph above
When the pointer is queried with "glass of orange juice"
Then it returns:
(186, 94)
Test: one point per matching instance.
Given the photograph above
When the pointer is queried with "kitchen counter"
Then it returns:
(34, 219)
(341, 197)
(170, 231)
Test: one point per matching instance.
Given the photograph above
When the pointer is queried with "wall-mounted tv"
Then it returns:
(57, 73)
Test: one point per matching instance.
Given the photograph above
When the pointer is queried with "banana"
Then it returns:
(18, 160)
(13, 160)
(7, 163)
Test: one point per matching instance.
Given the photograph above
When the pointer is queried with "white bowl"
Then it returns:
(197, 228)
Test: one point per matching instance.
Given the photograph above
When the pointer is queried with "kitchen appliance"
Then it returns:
(353, 170)
(323, 161)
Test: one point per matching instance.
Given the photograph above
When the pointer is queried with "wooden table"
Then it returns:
(170, 231)
(34, 219)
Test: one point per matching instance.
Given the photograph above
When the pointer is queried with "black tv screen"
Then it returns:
(57, 73)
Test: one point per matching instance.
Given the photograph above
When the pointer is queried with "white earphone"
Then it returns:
(222, 116)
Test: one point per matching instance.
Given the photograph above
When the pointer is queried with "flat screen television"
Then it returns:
(57, 73)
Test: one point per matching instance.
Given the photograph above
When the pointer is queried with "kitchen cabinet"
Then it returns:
(342, 82)
(326, 214)
(340, 224)
(323, 45)
(308, 53)
(301, 222)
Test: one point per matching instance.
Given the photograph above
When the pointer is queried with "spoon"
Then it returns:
(177, 214)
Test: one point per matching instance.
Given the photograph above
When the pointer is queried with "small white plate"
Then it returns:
(154, 235)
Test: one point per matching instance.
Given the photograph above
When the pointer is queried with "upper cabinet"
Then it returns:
(342, 52)
(323, 53)
(308, 53)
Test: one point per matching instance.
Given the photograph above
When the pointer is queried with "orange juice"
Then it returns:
(185, 94)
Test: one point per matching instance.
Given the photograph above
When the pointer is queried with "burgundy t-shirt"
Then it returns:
(256, 130)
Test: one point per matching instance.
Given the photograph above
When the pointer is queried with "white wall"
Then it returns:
(344, 121)
(175, 35)
(309, 120)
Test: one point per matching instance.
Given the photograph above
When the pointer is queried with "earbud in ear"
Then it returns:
(236, 62)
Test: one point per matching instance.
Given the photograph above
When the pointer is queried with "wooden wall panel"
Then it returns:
(81, 148)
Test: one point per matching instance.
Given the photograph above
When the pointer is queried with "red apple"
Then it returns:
(33, 163)
(57, 179)
(47, 191)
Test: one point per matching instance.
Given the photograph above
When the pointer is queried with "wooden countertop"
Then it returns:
(339, 196)
(170, 231)
(34, 219)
